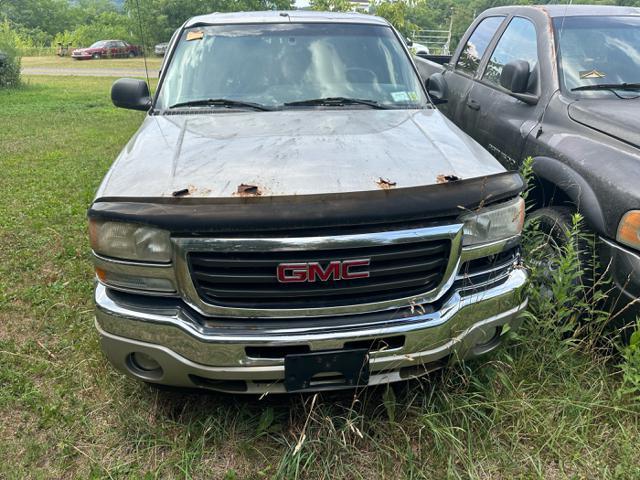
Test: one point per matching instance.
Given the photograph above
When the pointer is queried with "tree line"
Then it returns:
(45, 23)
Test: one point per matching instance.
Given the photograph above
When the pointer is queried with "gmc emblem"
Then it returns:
(313, 271)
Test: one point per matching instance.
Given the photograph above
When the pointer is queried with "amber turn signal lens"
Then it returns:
(101, 274)
(629, 229)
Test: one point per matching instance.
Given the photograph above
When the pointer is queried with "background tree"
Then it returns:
(331, 5)
(45, 22)
(9, 58)
(397, 14)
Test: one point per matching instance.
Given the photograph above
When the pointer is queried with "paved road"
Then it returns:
(88, 72)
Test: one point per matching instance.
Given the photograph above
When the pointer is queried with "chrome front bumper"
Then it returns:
(196, 351)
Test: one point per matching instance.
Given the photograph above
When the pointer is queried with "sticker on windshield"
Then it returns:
(195, 36)
(400, 96)
(413, 96)
(592, 74)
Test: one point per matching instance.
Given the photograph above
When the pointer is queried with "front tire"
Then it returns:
(96, 56)
(555, 222)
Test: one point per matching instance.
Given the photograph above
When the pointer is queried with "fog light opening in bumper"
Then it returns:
(491, 343)
(144, 366)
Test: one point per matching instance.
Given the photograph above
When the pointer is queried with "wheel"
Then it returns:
(360, 75)
(132, 54)
(96, 56)
(556, 224)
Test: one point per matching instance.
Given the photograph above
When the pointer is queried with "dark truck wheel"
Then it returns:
(556, 224)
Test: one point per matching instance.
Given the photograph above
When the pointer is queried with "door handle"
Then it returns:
(473, 105)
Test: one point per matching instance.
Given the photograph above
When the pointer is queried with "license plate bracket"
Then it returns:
(300, 370)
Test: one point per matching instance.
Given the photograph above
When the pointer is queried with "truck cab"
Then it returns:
(295, 215)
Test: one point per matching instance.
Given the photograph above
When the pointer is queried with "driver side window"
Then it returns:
(518, 42)
(477, 44)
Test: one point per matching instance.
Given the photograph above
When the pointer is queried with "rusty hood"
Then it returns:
(293, 152)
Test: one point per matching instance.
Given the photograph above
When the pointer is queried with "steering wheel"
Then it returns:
(360, 75)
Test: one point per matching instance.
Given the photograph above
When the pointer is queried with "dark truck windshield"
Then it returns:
(277, 64)
(599, 51)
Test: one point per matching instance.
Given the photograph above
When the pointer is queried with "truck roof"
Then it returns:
(555, 11)
(284, 16)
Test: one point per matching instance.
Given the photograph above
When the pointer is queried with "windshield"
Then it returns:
(598, 50)
(276, 64)
(99, 44)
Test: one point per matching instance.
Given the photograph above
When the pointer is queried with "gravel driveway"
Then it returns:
(88, 72)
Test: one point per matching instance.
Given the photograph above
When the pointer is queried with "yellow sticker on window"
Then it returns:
(195, 36)
(592, 74)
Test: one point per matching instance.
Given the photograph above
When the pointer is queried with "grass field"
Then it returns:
(542, 407)
(67, 62)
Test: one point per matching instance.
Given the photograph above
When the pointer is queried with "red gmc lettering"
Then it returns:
(313, 271)
(332, 271)
(292, 272)
(346, 267)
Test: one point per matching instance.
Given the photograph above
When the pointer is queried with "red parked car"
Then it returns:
(107, 49)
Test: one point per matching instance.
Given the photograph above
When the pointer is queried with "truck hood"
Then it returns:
(293, 152)
(615, 117)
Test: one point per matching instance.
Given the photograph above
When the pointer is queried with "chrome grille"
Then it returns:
(238, 276)
(248, 279)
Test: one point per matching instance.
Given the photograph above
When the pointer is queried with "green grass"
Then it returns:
(538, 408)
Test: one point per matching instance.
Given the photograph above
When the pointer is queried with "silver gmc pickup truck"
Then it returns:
(295, 215)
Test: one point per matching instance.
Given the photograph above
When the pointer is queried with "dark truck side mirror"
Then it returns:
(131, 93)
(436, 88)
(515, 78)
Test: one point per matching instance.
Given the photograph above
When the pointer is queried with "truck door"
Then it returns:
(495, 119)
(459, 76)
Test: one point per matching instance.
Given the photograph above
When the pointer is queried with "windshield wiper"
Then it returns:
(221, 102)
(335, 102)
(609, 86)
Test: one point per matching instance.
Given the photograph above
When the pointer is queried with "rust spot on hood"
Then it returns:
(248, 191)
(447, 178)
(385, 183)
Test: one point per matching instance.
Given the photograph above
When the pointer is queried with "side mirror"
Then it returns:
(436, 88)
(409, 42)
(515, 76)
(130, 93)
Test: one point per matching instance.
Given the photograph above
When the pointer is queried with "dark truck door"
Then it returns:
(495, 119)
(459, 77)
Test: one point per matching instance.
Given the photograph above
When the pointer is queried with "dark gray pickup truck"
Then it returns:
(559, 84)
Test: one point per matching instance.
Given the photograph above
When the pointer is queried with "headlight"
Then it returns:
(129, 241)
(493, 223)
(629, 229)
